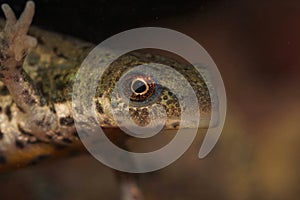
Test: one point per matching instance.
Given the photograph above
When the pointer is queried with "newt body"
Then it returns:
(37, 73)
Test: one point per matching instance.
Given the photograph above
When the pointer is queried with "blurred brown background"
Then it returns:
(256, 46)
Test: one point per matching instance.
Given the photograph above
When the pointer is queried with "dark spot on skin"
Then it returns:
(25, 76)
(49, 137)
(1, 135)
(1, 76)
(40, 40)
(2, 159)
(75, 134)
(57, 76)
(4, 90)
(22, 131)
(67, 140)
(43, 101)
(175, 125)
(4, 68)
(66, 121)
(24, 53)
(52, 109)
(5, 44)
(8, 112)
(99, 107)
(39, 123)
(16, 78)
(39, 86)
(170, 102)
(59, 54)
(20, 109)
(25, 92)
(18, 67)
(20, 144)
(26, 139)
(33, 58)
(58, 134)
(144, 110)
(106, 121)
(38, 159)
(27, 98)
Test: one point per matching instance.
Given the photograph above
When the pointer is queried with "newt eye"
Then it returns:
(139, 89)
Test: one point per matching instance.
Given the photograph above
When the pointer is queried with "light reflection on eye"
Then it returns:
(139, 86)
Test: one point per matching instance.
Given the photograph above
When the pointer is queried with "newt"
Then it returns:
(37, 71)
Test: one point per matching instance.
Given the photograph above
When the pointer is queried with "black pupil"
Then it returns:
(139, 86)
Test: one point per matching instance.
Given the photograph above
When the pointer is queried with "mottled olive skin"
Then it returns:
(139, 111)
(52, 66)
